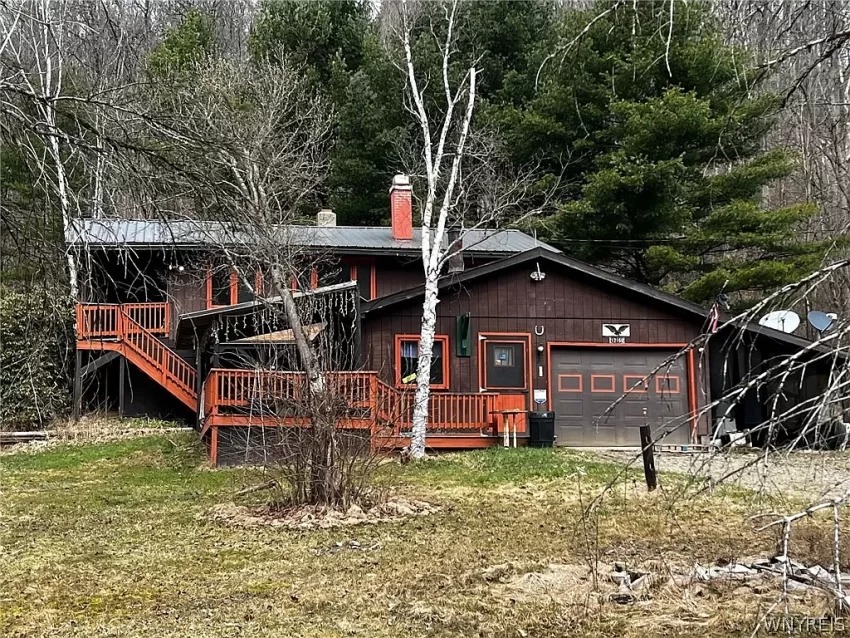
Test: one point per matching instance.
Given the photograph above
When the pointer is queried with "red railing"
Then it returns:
(447, 411)
(100, 321)
(365, 397)
(167, 363)
(135, 327)
(271, 391)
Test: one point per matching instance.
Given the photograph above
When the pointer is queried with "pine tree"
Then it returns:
(184, 46)
(658, 132)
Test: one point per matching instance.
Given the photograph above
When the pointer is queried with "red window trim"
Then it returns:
(234, 288)
(668, 377)
(580, 378)
(640, 388)
(444, 339)
(594, 377)
(373, 278)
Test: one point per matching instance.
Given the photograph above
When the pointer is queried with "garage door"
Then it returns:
(585, 382)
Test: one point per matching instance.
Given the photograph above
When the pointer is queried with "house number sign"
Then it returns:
(616, 332)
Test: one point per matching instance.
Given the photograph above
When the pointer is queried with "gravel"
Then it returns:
(801, 474)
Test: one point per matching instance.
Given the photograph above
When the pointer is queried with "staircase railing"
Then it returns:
(172, 370)
(135, 327)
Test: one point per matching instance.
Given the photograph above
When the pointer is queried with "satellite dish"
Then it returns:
(782, 320)
(820, 320)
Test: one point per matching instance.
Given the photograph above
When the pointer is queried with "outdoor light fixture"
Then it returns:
(538, 275)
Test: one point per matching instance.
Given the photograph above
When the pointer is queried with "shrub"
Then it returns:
(36, 333)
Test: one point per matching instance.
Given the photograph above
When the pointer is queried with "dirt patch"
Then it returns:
(309, 517)
(617, 586)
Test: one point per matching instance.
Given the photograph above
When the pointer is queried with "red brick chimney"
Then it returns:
(401, 207)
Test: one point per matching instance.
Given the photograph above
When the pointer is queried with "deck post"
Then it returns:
(122, 380)
(214, 446)
(78, 385)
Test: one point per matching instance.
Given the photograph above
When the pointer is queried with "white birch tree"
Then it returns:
(444, 144)
(468, 184)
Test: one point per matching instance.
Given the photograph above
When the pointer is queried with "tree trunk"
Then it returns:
(315, 379)
(423, 370)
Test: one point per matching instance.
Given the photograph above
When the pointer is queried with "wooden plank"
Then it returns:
(440, 442)
(99, 362)
(122, 380)
(78, 385)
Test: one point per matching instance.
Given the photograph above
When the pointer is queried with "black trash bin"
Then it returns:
(541, 429)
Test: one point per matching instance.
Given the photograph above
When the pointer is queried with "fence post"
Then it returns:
(647, 449)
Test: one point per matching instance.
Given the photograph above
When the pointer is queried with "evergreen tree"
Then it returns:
(371, 128)
(184, 46)
(658, 135)
(315, 32)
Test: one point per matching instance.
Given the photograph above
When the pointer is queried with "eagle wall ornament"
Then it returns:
(616, 330)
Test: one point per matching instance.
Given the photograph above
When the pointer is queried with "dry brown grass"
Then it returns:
(111, 540)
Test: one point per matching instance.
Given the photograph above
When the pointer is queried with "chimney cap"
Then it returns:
(326, 217)
(401, 180)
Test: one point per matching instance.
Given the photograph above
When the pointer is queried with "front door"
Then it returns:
(504, 369)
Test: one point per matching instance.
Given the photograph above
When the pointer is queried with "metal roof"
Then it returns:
(106, 233)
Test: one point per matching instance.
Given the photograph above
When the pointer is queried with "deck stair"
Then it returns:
(136, 331)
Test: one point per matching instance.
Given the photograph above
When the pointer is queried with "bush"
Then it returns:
(36, 332)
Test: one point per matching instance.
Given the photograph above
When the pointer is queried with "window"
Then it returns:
(634, 383)
(225, 287)
(219, 287)
(243, 293)
(570, 383)
(503, 356)
(407, 361)
(667, 384)
(363, 272)
(602, 383)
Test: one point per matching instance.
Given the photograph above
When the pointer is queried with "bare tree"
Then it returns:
(802, 54)
(235, 155)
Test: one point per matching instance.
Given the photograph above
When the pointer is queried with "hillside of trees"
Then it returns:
(701, 147)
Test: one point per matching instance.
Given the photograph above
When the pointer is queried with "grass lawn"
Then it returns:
(111, 539)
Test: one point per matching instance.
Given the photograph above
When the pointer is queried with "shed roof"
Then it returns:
(157, 233)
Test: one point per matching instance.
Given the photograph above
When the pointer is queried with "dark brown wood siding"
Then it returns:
(396, 274)
(569, 311)
(393, 275)
(186, 293)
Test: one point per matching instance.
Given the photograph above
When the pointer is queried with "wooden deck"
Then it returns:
(266, 398)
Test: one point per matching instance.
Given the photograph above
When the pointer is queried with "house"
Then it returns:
(165, 327)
